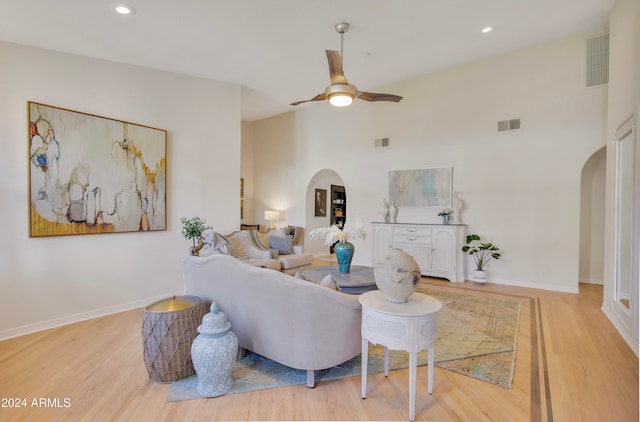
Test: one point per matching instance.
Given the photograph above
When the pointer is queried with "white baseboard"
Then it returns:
(527, 284)
(592, 281)
(622, 328)
(70, 319)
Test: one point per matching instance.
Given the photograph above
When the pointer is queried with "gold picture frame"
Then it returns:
(91, 174)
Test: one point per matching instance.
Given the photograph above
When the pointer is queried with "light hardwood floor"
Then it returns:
(571, 365)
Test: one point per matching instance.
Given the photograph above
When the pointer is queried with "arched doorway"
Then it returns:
(319, 189)
(592, 218)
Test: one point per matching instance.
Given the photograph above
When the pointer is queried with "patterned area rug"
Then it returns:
(476, 337)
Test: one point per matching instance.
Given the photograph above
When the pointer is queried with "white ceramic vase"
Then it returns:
(213, 353)
(397, 275)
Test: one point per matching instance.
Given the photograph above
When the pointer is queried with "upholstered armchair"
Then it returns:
(287, 246)
(275, 250)
(244, 247)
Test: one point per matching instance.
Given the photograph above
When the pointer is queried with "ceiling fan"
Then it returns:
(341, 93)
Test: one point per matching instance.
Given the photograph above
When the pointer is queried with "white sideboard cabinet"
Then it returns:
(437, 248)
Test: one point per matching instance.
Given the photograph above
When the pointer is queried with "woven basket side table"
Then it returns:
(168, 329)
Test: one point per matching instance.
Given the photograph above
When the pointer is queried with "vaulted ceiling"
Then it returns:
(275, 48)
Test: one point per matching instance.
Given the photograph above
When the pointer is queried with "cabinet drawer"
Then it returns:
(412, 238)
(412, 231)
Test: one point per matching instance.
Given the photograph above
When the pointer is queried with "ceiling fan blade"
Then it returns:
(371, 96)
(335, 68)
(318, 97)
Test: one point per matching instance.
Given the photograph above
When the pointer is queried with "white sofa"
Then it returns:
(294, 322)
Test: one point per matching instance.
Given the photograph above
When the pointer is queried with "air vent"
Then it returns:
(504, 125)
(596, 60)
(381, 143)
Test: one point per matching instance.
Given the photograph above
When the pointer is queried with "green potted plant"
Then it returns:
(481, 252)
(192, 228)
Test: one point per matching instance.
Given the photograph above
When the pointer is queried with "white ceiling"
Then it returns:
(275, 48)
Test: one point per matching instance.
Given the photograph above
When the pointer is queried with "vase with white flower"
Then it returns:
(338, 237)
(446, 215)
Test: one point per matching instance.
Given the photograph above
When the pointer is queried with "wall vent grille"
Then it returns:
(596, 60)
(504, 125)
(381, 143)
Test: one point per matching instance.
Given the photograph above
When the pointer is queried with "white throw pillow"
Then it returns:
(327, 281)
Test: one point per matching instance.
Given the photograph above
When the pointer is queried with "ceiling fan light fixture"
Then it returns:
(341, 99)
(341, 95)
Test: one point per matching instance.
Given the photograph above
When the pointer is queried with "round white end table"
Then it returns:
(410, 326)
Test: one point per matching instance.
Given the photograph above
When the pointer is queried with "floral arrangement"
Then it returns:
(352, 230)
(445, 212)
(193, 228)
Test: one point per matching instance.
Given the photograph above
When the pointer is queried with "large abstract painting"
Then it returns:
(91, 174)
(419, 188)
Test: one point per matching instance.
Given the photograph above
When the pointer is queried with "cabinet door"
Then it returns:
(403, 247)
(382, 243)
(422, 255)
(444, 243)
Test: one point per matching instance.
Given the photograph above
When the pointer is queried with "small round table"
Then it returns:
(360, 279)
(410, 326)
(168, 329)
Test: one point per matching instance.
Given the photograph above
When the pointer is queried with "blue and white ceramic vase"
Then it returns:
(344, 255)
(213, 353)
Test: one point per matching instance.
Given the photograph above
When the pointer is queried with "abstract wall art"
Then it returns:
(92, 174)
(421, 188)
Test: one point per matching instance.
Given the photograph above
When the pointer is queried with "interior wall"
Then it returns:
(246, 172)
(521, 188)
(592, 218)
(321, 180)
(55, 280)
(624, 100)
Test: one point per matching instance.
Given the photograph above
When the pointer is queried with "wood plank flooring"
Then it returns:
(571, 365)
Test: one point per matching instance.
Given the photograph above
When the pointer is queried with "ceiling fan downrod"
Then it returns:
(341, 28)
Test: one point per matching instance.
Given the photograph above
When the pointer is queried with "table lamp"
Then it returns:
(271, 216)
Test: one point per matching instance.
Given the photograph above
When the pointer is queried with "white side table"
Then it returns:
(410, 326)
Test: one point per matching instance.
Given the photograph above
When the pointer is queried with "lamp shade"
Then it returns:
(271, 215)
(340, 95)
(341, 100)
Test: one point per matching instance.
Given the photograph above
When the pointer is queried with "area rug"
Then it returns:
(476, 337)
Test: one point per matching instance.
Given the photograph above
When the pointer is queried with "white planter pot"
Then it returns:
(480, 275)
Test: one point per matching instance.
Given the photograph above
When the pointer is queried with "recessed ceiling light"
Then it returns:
(487, 29)
(122, 9)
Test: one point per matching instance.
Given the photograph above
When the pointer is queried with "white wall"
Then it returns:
(321, 180)
(246, 172)
(592, 218)
(624, 99)
(54, 280)
(521, 188)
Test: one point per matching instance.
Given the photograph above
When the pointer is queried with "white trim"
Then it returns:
(623, 329)
(71, 319)
(599, 281)
(527, 284)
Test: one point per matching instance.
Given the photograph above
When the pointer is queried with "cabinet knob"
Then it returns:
(411, 239)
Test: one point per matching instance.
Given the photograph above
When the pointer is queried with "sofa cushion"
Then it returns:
(284, 244)
(263, 238)
(295, 260)
(272, 264)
